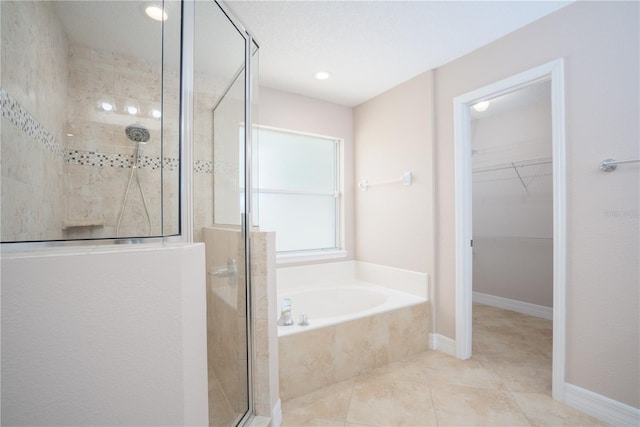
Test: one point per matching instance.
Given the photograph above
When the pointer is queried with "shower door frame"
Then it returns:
(187, 156)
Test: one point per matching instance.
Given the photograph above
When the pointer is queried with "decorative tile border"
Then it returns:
(117, 160)
(202, 166)
(24, 120)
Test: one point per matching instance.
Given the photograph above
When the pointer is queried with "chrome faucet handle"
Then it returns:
(285, 313)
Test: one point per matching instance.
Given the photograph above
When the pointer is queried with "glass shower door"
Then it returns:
(220, 155)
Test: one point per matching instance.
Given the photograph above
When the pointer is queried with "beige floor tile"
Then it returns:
(542, 410)
(507, 382)
(386, 403)
(412, 370)
(371, 402)
(331, 402)
(469, 373)
(297, 420)
(521, 371)
(471, 406)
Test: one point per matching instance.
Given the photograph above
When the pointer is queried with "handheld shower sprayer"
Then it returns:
(137, 133)
(140, 135)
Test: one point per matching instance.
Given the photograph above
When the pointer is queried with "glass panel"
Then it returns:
(85, 96)
(301, 222)
(296, 162)
(219, 115)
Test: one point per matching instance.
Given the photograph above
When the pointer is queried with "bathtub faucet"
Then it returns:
(285, 313)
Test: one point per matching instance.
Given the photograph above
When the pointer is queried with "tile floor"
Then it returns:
(507, 382)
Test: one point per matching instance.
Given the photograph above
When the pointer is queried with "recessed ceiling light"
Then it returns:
(322, 75)
(105, 106)
(156, 114)
(481, 106)
(156, 12)
(132, 109)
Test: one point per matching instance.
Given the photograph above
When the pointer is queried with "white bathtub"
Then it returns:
(338, 292)
(361, 316)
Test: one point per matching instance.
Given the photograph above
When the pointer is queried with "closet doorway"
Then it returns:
(510, 215)
(512, 211)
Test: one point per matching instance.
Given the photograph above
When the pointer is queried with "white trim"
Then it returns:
(442, 343)
(514, 305)
(186, 122)
(276, 414)
(293, 257)
(559, 229)
(463, 227)
(601, 407)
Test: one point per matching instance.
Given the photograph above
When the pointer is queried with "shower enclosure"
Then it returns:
(75, 76)
(129, 120)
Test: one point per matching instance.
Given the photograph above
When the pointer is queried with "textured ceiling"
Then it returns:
(367, 46)
(372, 46)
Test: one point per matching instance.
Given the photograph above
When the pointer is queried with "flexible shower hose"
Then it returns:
(134, 170)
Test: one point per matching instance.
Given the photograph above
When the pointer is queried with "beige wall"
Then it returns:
(599, 43)
(298, 113)
(393, 134)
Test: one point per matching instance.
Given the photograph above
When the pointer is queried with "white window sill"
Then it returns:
(290, 258)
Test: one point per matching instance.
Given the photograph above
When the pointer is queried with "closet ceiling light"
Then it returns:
(156, 12)
(481, 106)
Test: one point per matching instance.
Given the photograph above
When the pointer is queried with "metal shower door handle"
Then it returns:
(228, 271)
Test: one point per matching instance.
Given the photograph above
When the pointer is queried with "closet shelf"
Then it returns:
(529, 169)
(511, 165)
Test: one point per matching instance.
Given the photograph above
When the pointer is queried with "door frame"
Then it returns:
(554, 71)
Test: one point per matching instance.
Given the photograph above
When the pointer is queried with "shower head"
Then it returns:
(137, 132)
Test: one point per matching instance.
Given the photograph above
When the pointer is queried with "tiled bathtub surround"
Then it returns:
(319, 357)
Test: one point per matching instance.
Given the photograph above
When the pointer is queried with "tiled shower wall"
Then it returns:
(226, 325)
(33, 98)
(100, 155)
(65, 162)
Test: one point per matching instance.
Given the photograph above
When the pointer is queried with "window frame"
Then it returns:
(317, 254)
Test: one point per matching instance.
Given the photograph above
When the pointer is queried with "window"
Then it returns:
(299, 191)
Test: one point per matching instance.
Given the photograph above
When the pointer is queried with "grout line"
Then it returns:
(353, 387)
(433, 404)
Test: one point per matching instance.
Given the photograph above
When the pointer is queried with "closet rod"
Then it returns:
(609, 165)
(510, 165)
(510, 238)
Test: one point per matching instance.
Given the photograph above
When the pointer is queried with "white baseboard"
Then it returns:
(442, 343)
(601, 407)
(513, 305)
(276, 414)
